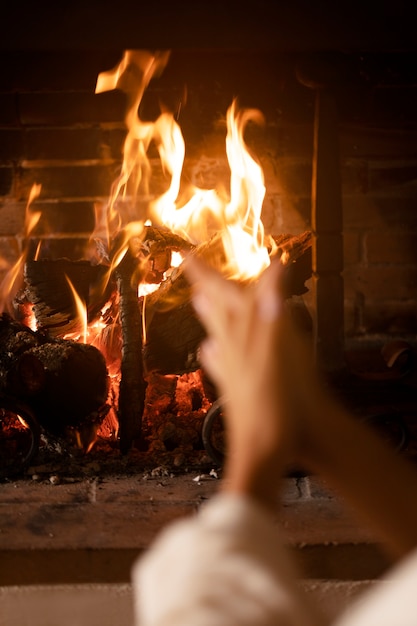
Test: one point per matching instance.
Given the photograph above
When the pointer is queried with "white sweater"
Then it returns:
(228, 566)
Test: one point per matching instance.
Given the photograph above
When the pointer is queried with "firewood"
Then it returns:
(64, 383)
(158, 244)
(173, 331)
(132, 384)
(295, 250)
(48, 290)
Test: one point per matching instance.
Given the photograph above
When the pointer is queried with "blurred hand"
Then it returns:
(279, 412)
(259, 362)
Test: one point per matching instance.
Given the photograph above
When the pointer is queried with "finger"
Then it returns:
(211, 359)
(268, 292)
(215, 299)
(266, 311)
(204, 277)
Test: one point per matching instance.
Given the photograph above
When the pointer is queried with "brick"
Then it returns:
(8, 110)
(11, 145)
(380, 212)
(109, 603)
(54, 71)
(351, 247)
(74, 249)
(6, 180)
(207, 173)
(388, 246)
(366, 177)
(292, 489)
(352, 319)
(128, 514)
(114, 139)
(259, 79)
(293, 138)
(65, 217)
(36, 493)
(71, 108)
(362, 141)
(319, 488)
(134, 490)
(210, 144)
(385, 176)
(293, 176)
(67, 182)
(391, 317)
(9, 251)
(67, 144)
(283, 214)
(297, 104)
(355, 176)
(12, 217)
(379, 282)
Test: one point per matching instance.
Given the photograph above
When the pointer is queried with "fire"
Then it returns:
(194, 214)
(132, 75)
(81, 311)
(205, 212)
(13, 279)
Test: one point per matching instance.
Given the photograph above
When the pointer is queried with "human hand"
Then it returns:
(261, 364)
(278, 411)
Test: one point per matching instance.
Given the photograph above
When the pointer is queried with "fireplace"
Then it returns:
(337, 151)
(76, 517)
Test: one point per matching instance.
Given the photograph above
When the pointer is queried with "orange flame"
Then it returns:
(13, 279)
(236, 219)
(132, 75)
(81, 311)
(239, 220)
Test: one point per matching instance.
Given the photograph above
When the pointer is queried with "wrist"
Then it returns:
(254, 473)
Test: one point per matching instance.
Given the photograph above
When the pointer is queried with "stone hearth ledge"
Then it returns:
(92, 531)
(110, 604)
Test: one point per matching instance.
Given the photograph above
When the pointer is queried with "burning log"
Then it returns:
(47, 288)
(295, 252)
(132, 384)
(160, 244)
(173, 332)
(63, 383)
(19, 436)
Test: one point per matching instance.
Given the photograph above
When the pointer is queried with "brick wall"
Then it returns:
(56, 132)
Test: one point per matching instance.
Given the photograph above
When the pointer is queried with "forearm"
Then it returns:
(256, 458)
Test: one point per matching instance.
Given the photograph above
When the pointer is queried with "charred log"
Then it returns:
(158, 245)
(63, 383)
(48, 290)
(295, 253)
(173, 331)
(19, 436)
(158, 240)
(132, 384)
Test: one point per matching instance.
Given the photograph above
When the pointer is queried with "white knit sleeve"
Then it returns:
(225, 566)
